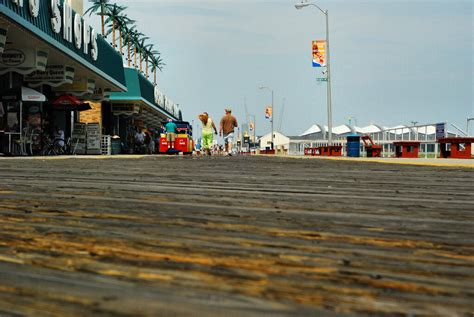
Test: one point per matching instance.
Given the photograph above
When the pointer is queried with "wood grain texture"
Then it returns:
(240, 236)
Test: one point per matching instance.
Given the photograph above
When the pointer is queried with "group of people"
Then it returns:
(143, 142)
(226, 130)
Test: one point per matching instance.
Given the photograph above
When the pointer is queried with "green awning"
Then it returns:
(139, 89)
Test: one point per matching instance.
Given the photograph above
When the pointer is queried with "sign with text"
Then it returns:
(54, 75)
(319, 53)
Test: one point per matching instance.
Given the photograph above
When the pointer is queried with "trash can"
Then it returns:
(353, 146)
(116, 146)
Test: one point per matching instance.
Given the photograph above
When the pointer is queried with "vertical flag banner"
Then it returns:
(251, 126)
(268, 112)
(319, 53)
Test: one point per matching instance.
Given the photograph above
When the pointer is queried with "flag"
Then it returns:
(251, 126)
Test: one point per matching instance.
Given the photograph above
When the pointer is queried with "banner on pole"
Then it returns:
(268, 112)
(251, 126)
(319, 53)
(440, 131)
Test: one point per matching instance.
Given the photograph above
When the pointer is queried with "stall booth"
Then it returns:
(407, 149)
(184, 140)
(20, 113)
(333, 150)
(47, 47)
(141, 109)
(460, 148)
(372, 149)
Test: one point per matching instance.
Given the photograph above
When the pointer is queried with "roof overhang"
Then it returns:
(141, 91)
(26, 32)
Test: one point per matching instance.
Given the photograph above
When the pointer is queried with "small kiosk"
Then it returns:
(371, 148)
(460, 148)
(332, 150)
(184, 139)
(406, 149)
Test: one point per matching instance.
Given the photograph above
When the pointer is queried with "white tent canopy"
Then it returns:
(313, 129)
(374, 128)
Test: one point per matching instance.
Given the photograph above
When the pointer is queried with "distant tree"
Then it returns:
(156, 63)
(128, 35)
(136, 42)
(99, 7)
(122, 24)
(115, 18)
(141, 50)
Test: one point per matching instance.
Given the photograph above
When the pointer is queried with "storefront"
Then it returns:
(48, 51)
(141, 108)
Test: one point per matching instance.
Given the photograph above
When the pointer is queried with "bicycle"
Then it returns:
(55, 147)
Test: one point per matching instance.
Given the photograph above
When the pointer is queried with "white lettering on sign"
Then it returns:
(73, 27)
(94, 50)
(34, 7)
(67, 22)
(56, 16)
(18, 2)
(77, 31)
(87, 37)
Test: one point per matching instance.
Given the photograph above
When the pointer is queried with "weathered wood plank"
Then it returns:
(239, 236)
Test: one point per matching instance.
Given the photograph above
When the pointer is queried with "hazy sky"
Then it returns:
(393, 62)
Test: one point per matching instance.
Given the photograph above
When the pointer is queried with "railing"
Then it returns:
(425, 134)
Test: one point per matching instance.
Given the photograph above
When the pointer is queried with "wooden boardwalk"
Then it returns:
(240, 236)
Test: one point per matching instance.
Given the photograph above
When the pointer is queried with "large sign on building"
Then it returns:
(58, 25)
(66, 22)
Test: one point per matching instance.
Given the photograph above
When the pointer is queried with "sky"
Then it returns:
(392, 62)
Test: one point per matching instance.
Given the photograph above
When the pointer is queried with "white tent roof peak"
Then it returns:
(313, 129)
(368, 129)
(342, 129)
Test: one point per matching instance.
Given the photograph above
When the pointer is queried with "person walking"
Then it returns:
(227, 126)
(171, 128)
(139, 141)
(207, 135)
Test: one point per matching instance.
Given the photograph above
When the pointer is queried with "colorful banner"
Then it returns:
(268, 112)
(319, 53)
(251, 126)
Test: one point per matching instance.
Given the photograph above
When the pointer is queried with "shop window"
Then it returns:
(13, 117)
(461, 147)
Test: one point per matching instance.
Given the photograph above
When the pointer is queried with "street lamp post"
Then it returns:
(302, 5)
(273, 113)
(467, 125)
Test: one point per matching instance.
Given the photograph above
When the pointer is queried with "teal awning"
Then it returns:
(109, 63)
(139, 89)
